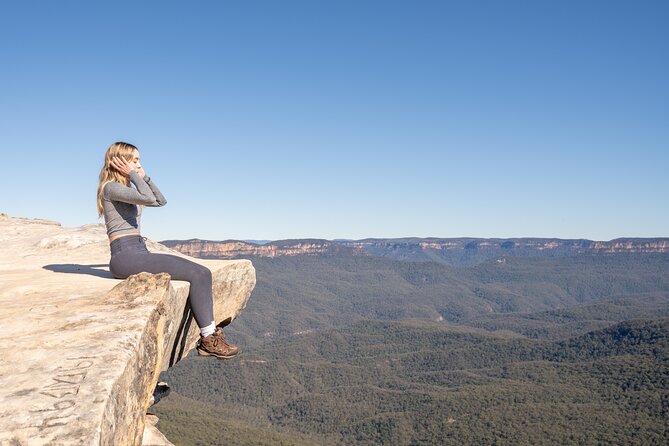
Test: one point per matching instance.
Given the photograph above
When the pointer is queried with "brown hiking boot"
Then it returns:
(215, 345)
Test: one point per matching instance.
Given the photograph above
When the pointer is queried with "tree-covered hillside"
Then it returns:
(537, 297)
(342, 350)
(412, 382)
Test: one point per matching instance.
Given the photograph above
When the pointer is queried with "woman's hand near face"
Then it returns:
(125, 167)
(121, 165)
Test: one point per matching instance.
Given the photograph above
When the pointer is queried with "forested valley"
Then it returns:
(341, 350)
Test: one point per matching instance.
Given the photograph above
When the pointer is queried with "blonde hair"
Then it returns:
(108, 173)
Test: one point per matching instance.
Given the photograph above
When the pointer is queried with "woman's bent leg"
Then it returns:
(126, 263)
(200, 279)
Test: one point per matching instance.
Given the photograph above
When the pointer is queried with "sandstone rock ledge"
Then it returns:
(81, 351)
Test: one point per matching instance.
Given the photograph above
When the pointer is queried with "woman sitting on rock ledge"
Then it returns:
(118, 201)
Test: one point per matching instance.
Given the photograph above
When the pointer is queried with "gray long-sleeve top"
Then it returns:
(119, 203)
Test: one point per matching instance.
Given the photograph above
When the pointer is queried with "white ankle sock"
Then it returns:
(209, 329)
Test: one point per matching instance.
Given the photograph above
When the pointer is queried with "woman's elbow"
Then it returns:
(153, 203)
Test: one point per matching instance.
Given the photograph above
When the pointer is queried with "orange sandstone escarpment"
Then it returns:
(235, 248)
(456, 250)
(627, 245)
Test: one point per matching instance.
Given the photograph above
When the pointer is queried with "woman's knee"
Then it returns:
(198, 274)
(204, 274)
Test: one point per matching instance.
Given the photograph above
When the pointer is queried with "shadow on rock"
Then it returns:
(75, 268)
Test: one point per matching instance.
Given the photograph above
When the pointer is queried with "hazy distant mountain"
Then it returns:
(455, 251)
(537, 297)
(258, 242)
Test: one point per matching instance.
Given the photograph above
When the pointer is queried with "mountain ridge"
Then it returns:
(463, 251)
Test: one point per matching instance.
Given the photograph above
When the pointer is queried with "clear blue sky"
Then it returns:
(344, 119)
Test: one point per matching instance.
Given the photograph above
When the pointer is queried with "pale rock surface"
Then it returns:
(81, 351)
(152, 436)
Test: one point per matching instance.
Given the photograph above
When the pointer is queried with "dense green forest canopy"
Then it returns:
(363, 350)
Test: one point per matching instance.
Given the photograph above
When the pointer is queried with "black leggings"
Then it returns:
(130, 256)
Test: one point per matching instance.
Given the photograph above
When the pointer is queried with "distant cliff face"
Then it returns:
(457, 251)
(520, 245)
(632, 245)
(233, 248)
